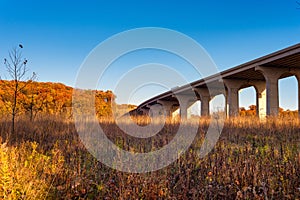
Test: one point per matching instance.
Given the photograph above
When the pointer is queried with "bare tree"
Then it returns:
(16, 66)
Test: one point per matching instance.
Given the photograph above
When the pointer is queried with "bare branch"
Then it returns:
(16, 66)
(29, 80)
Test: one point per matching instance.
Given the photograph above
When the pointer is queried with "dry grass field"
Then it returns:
(45, 159)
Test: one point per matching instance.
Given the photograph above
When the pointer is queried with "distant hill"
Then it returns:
(48, 97)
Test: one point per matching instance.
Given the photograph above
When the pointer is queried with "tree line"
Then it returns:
(251, 111)
(46, 97)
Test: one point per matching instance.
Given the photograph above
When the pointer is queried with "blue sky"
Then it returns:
(58, 35)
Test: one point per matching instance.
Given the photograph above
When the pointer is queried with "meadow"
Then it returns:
(45, 159)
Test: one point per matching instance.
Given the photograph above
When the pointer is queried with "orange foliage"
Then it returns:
(250, 112)
(281, 112)
(48, 97)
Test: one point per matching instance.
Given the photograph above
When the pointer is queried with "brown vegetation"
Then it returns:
(252, 160)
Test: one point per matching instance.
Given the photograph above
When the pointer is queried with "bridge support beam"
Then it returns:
(296, 72)
(233, 87)
(271, 76)
(226, 103)
(205, 98)
(205, 106)
(298, 80)
(145, 111)
(261, 98)
(168, 107)
(185, 101)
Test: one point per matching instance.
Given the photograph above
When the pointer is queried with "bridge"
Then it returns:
(262, 73)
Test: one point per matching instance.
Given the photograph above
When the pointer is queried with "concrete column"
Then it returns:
(226, 104)
(168, 105)
(185, 101)
(261, 99)
(298, 80)
(150, 112)
(233, 102)
(272, 96)
(205, 106)
(296, 72)
(145, 111)
(205, 98)
(233, 87)
(271, 76)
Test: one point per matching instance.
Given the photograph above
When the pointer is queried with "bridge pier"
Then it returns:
(204, 98)
(298, 80)
(261, 98)
(185, 101)
(205, 106)
(271, 76)
(233, 87)
(144, 111)
(168, 105)
(296, 72)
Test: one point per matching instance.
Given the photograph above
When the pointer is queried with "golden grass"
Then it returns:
(251, 160)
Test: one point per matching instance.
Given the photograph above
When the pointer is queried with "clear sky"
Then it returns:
(58, 35)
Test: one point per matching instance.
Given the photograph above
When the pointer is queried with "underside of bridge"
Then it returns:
(262, 73)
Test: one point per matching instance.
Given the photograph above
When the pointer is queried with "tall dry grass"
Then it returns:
(251, 160)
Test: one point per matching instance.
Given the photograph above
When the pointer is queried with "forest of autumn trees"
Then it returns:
(47, 97)
(252, 112)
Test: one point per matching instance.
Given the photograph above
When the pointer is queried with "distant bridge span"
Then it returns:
(263, 73)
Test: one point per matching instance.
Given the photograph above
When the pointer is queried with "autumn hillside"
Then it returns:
(47, 97)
